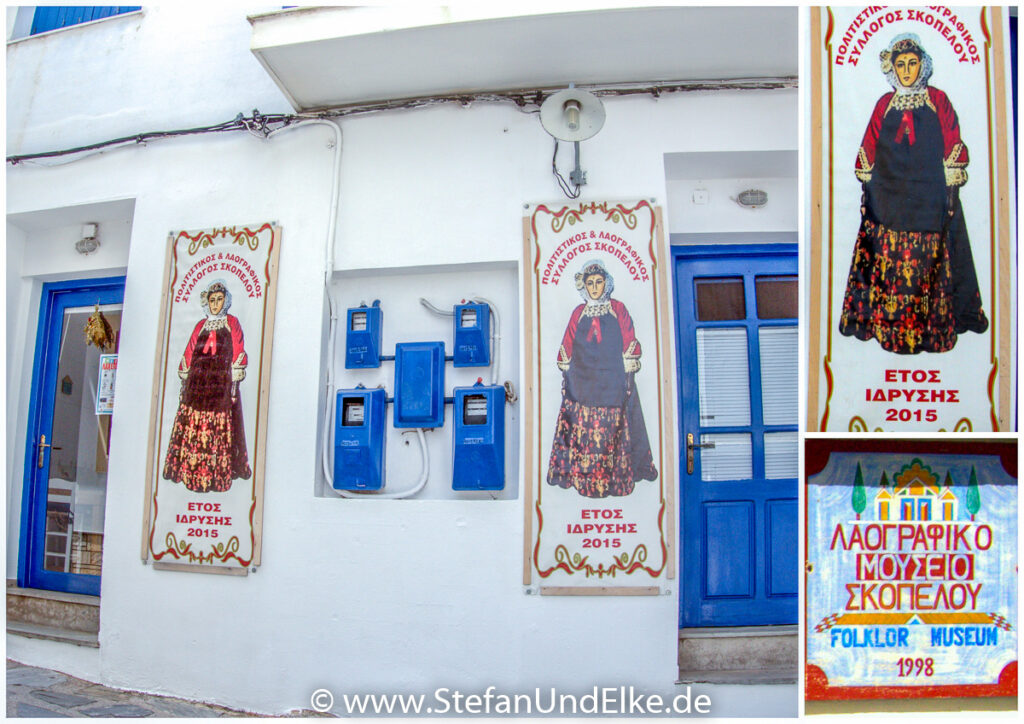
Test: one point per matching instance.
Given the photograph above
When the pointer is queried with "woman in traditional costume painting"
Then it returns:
(912, 284)
(207, 446)
(601, 446)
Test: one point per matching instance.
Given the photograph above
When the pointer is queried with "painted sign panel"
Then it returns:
(912, 284)
(912, 574)
(105, 384)
(205, 498)
(600, 502)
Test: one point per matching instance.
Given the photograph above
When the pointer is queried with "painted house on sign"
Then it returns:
(916, 496)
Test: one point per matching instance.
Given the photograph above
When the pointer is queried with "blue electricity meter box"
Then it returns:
(359, 437)
(479, 438)
(472, 332)
(419, 384)
(362, 337)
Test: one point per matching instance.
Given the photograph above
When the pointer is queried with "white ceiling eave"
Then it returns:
(334, 57)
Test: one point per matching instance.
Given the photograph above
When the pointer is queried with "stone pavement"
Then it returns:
(34, 692)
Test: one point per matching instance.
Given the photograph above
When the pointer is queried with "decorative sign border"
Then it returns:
(879, 631)
(561, 242)
(217, 511)
(828, 42)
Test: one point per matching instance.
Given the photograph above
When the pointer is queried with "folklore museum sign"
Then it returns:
(204, 502)
(599, 503)
(912, 277)
(911, 572)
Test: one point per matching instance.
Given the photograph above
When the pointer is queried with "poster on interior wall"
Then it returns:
(911, 569)
(912, 276)
(105, 384)
(205, 485)
(600, 503)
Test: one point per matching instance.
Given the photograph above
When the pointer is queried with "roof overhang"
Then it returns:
(341, 56)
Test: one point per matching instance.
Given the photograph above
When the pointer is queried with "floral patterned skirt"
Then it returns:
(900, 291)
(593, 451)
(203, 453)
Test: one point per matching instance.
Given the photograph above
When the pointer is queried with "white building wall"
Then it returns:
(17, 298)
(163, 68)
(360, 596)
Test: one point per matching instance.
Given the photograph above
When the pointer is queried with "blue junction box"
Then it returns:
(359, 439)
(419, 384)
(478, 440)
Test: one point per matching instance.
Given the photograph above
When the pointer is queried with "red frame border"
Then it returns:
(816, 455)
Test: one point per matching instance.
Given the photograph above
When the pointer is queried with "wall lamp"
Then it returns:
(571, 115)
(752, 198)
(90, 239)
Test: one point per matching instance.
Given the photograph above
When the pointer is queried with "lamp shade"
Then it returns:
(555, 116)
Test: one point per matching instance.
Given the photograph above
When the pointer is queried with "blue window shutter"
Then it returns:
(61, 16)
(44, 19)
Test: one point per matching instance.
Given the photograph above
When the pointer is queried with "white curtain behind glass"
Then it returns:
(779, 364)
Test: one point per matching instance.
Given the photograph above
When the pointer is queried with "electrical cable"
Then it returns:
(329, 407)
(562, 183)
(256, 124)
(525, 101)
(495, 338)
(495, 329)
(259, 127)
(437, 310)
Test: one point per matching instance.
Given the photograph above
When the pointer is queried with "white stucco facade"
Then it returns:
(358, 596)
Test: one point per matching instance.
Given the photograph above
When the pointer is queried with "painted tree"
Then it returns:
(884, 481)
(858, 499)
(973, 495)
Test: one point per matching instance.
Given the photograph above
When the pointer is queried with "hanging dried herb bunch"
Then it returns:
(98, 331)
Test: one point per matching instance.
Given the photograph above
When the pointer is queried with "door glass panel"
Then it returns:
(80, 439)
(780, 455)
(776, 297)
(779, 378)
(729, 459)
(723, 377)
(719, 299)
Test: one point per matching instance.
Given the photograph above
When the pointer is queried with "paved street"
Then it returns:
(34, 692)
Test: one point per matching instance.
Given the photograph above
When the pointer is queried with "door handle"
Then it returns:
(42, 444)
(42, 449)
(690, 447)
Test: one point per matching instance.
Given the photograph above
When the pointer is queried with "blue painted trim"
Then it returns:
(24, 537)
(719, 251)
(55, 297)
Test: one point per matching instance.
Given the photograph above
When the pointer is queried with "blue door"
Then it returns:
(737, 343)
(68, 440)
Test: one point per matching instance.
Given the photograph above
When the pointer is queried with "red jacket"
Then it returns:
(954, 152)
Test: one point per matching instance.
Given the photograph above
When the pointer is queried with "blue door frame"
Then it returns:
(738, 547)
(55, 299)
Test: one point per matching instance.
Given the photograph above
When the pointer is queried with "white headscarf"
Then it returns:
(217, 285)
(906, 43)
(594, 266)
